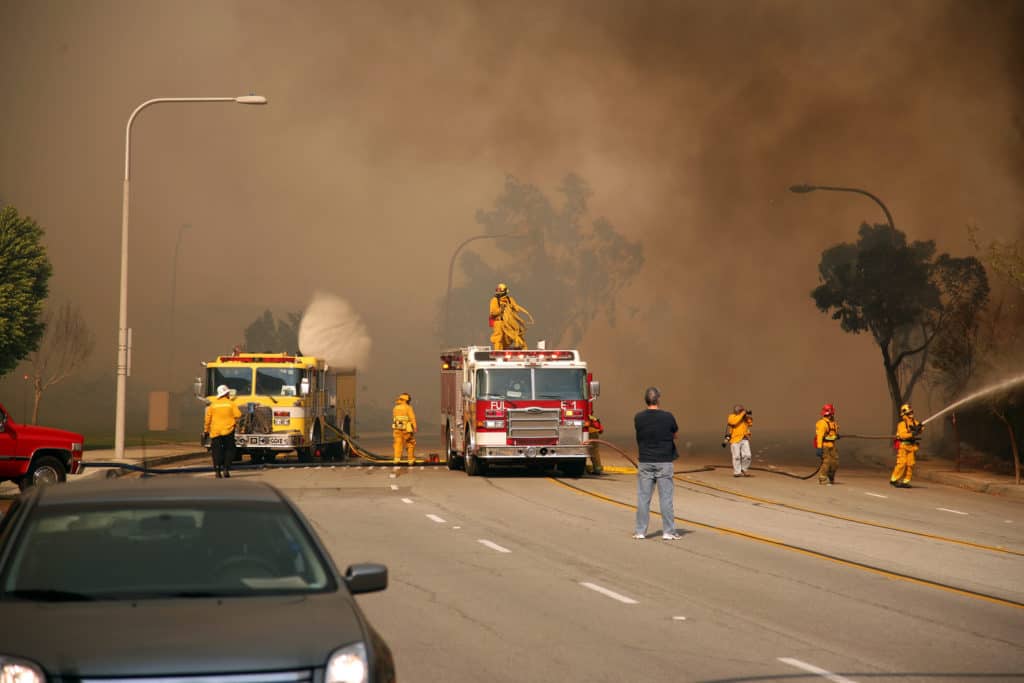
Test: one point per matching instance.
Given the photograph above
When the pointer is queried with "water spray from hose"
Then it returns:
(992, 389)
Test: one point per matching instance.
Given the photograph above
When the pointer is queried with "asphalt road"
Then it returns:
(529, 578)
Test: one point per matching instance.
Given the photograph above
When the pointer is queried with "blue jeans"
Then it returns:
(647, 474)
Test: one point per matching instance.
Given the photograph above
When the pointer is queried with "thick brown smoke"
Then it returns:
(391, 123)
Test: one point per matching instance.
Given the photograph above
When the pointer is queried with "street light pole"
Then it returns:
(804, 189)
(451, 269)
(123, 333)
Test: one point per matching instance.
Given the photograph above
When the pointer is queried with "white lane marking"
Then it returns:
(492, 545)
(456, 527)
(679, 618)
(835, 678)
(393, 475)
(876, 495)
(407, 500)
(955, 512)
(435, 518)
(394, 487)
(610, 593)
(1008, 521)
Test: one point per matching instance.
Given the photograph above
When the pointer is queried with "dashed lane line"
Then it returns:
(876, 495)
(435, 518)
(955, 512)
(810, 668)
(493, 546)
(407, 501)
(394, 487)
(608, 592)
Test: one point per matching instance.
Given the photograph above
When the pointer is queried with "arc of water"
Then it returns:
(991, 389)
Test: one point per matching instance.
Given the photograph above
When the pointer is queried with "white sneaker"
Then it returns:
(671, 537)
(639, 537)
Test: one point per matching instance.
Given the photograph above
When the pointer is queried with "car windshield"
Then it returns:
(531, 383)
(278, 381)
(238, 379)
(205, 549)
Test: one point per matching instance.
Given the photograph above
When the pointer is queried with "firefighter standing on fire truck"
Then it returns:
(908, 436)
(403, 427)
(506, 333)
(826, 433)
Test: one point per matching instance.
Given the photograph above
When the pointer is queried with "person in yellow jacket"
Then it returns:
(737, 436)
(908, 438)
(595, 429)
(219, 424)
(826, 433)
(403, 427)
(506, 326)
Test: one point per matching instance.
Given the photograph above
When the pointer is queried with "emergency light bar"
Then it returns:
(529, 355)
(256, 359)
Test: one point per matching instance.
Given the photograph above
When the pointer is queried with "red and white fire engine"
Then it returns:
(520, 407)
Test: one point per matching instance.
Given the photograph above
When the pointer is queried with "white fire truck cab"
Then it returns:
(518, 407)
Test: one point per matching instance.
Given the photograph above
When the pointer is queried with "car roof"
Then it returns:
(154, 489)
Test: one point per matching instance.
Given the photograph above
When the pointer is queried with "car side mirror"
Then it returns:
(197, 387)
(467, 389)
(304, 386)
(366, 577)
(595, 389)
(3, 422)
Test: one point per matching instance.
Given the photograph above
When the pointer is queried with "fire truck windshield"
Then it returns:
(531, 383)
(278, 381)
(237, 379)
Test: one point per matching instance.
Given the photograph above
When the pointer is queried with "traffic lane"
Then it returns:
(926, 557)
(928, 508)
(735, 590)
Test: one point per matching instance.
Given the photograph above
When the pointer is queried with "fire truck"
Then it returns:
(288, 403)
(518, 407)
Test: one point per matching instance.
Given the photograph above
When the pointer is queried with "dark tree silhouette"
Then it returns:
(267, 335)
(24, 276)
(902, 294)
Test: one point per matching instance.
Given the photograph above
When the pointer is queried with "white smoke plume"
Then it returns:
(332, 330)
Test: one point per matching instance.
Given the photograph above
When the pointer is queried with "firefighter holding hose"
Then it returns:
(403, 428)
(908, 439)
(507, 327)
(826, 433)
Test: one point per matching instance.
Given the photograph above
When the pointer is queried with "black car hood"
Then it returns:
(182, 636)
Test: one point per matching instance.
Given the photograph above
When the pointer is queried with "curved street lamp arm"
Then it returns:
(451, 267)
(885, 209)
(131, 119)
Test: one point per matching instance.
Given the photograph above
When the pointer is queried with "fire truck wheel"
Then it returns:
(305, 454)
(574, 468)
(451, 455)
(45, 470)
(472, 465)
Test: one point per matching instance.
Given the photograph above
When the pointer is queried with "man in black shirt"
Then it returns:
(656, 431)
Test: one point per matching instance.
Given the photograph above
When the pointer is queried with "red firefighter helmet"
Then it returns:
(828, 410)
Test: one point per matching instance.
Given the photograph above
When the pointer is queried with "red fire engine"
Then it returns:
(521, 407)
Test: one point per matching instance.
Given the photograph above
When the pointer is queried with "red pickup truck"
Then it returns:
(31, 455)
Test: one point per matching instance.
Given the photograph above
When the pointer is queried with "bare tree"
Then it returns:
(66, 344)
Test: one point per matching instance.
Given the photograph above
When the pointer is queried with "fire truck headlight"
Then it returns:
(20, 671)
(494, 424)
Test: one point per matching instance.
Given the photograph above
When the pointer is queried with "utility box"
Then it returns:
(158, 419)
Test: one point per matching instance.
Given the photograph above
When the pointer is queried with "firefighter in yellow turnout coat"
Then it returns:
(908, 436)
(503, 316)
(403, 427)
(826, 433)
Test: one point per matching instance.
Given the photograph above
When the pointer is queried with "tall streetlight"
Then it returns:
(804, 189)
(122, 319)
(451, 268)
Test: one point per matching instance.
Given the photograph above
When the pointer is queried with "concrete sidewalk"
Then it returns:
(944, 472)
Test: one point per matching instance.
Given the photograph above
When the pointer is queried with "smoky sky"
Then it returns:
(391, 123)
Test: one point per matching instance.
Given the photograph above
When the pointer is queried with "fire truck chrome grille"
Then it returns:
(533, 425)
(299, 676)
